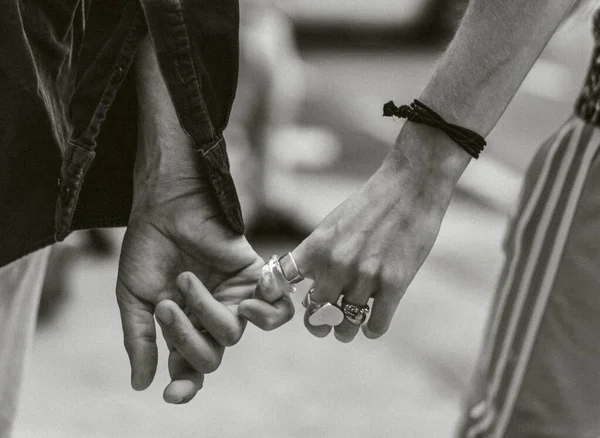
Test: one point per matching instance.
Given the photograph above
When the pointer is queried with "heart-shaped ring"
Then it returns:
(322, 313)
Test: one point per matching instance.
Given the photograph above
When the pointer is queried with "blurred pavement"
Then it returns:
(287, 383)
(280, 384)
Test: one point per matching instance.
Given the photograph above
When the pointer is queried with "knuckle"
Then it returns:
(231, 337)
(369, 270)
(317, 240)
(269, 323)
(337, 258)
(211, 364)
(195, 307)
(131, 343)
(283, 318)
(394, 279)
(288, 316)
(178, 337)
(267, 327)
(342, 259)
(389, 287)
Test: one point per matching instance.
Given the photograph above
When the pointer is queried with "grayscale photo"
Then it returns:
(300, 218)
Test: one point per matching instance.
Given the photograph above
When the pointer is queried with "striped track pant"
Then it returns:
(538, 375)
(20, 289)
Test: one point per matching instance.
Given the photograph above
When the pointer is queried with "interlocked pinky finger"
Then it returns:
(201, 351)
(267, 316)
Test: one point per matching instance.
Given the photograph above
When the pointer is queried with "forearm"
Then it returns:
(494, 48)
(490, 55)
(164, 151)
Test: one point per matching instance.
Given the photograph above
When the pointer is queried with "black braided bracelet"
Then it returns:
(418, 112)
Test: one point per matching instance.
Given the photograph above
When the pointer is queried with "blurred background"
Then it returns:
(306, 131)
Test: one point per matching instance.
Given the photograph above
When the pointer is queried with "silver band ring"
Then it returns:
(273, 267)
(289, 268)
(355, 314)
(322, 313)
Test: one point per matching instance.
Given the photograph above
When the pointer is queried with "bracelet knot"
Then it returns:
(403, 111)
(418, 112)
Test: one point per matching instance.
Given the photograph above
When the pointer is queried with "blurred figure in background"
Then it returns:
(55, 290)
(271, 88)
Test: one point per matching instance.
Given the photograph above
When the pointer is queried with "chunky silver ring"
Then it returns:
(289, 268)
(273, 267)
(322, 313)
(355, 314)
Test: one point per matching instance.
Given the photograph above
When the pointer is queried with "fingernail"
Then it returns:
(341, 338)
(137, 386)
(243, 313)
(183, 281)
(164, 315)
(368, 333)
(173, 401)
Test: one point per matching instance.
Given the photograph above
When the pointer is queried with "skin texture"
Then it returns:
(176, 228)
(369, 248)
(372, 245)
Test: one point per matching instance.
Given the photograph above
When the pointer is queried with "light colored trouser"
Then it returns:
(20, 289)
(538, 375)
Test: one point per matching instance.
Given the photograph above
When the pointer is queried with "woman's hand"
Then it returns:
(373, 244)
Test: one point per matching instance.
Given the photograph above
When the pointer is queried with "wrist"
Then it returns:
(166, 164)
(428, 160)
(165, 160)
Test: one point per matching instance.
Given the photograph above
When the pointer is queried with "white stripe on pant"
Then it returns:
(20, 288)
(485, 420)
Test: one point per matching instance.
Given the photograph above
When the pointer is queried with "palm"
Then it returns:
(183, 234)
(178, 238)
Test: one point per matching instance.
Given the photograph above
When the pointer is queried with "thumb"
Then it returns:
(139, 334)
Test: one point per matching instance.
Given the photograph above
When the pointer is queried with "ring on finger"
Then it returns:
(353, 313)
(322, 313)
(273, 268)
(289, 268)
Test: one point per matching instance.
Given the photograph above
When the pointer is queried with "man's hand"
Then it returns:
(221, 326)
(183, 233)
(175, 226)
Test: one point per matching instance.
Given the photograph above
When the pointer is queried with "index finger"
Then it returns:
(222, 324)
